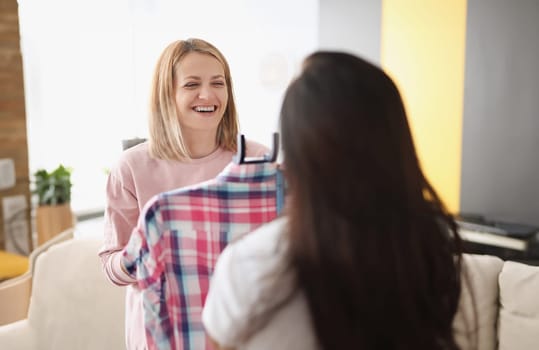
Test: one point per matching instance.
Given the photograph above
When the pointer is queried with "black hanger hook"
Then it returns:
(240, 157)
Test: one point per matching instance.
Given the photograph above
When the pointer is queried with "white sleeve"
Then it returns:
(225, 314)
(248, 281)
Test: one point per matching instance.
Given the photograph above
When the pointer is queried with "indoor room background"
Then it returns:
(466, 70)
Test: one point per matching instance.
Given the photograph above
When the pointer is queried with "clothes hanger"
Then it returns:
(240, 157)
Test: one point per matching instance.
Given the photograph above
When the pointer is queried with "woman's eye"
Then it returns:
(219, 83)
(191, 85)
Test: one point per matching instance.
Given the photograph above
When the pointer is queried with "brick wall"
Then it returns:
(13, 142)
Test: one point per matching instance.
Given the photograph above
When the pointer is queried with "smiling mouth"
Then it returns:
(205, 109)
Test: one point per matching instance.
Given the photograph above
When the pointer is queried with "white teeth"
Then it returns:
(205, 108)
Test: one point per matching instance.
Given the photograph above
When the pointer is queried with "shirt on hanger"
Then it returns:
(179, 236)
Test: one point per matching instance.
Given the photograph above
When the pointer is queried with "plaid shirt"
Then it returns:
(179, 237)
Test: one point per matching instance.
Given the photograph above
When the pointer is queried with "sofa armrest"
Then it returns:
(72, 305)
(17, 336)
(475, 321)
(15, 298)
(519, 307)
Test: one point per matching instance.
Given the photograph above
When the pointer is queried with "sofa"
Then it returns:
(15, 292)
(74, 307)
(502, 305)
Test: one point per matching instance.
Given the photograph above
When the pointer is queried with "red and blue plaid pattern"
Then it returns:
(179, 236)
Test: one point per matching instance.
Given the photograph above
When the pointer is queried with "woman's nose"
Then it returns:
(205, 92)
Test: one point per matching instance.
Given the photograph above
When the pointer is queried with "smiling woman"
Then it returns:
(201, 98)
(193, 132)
(193, 111)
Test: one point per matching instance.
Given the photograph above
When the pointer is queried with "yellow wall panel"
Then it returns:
(423, 50)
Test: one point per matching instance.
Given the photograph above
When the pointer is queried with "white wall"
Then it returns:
(351, 25)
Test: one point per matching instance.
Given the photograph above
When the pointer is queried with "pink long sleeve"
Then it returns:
(120, 218)
(132, 182)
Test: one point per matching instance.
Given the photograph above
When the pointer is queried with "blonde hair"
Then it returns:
(166, 139)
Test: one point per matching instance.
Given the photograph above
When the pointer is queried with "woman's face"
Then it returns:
(201, 93)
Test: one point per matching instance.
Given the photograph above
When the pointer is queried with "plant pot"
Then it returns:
(52, 220)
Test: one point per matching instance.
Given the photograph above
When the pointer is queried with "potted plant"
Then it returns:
(53, 213)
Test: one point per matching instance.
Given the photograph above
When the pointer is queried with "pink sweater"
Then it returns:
(136, 178)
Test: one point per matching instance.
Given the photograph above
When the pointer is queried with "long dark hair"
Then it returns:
(376, 253)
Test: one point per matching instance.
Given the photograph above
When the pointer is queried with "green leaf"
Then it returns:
(53, 188)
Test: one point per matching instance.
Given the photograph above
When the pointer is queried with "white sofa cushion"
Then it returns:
(73, 306)
(519, 307)
(480, 286)
(15, 293)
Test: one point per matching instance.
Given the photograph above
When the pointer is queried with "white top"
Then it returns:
(244, 308)
(251, 279)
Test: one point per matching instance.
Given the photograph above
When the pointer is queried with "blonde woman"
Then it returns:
(193, 129)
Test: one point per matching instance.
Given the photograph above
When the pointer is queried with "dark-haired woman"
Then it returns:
(367, 256)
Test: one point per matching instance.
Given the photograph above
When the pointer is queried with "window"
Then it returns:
(88, 66)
